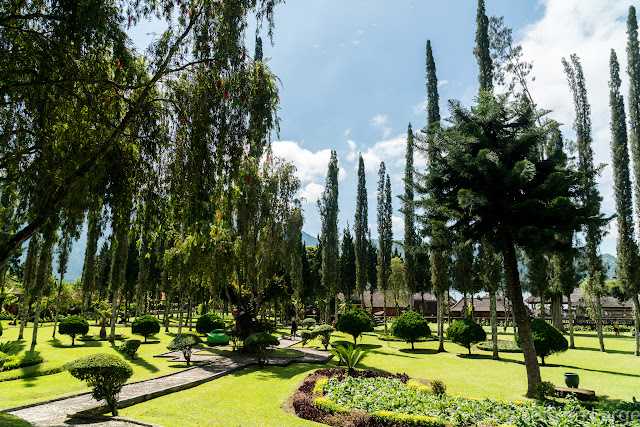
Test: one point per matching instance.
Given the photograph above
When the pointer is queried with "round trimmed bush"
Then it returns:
(208, 322)
(410, 326)
(74, 326)
(324, 332)
(259, 343)
(185, 343)
(129, 347)
(466, 332)
(106, 373)
(546, 339)
(354, 322)
(309, 322)
(145, 325)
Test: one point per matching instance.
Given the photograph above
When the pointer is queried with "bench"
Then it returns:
(581, 394)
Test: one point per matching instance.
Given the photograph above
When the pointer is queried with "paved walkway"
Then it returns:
(56, 412)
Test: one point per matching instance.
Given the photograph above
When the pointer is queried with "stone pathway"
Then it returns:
(84, 410)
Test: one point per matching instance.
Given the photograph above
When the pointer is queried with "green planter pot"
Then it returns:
(572, 380)
(218, 337)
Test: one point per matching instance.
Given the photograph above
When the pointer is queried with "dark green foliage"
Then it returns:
(324, 332)
(350, 355)
(185, 343)
(309, 322)
(546, 339)
(208, 322)
(481, 50)
(3, 358)
(466, 332)
(7, 346)
(385, 232)
(106, 373)
(73, 326)
(145, 325)
(360, 228)
(545, 390)
(438, 387)
(259, 344)
(354, 322)
(328, 209)
(408, 209)
(410, 326)
(433, 99)
(129, 347)
(347, 265)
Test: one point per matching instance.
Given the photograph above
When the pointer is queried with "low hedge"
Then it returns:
(327, 405)
(129, 347)
(408, 419)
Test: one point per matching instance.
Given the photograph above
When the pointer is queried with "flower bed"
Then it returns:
(504, 346)
(380, 399)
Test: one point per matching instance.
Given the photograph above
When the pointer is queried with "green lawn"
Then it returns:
(57, 352)
(255, 397)
(614, 375)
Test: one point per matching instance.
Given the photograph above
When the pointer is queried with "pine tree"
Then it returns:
(410, 236)
(258, 55)
(433, 100)
(594, 227)
(385, 233)
(627, 248)
(360, 229)
(328, 208)
(481, 50)
(347, 265)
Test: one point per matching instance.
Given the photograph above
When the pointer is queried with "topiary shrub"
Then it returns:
(354, 322)
(106, 373)
(259, 344)
(208, 322)
(73, 326)
(546, 339)
(309, 322)
(145, 325)
(185, 343)
(410, 326)
(129, 347)
(324, 332)
(466, 332)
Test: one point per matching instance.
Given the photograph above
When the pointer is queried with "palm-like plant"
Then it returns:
(350, 356)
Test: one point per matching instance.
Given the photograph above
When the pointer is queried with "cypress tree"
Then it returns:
(385, 232)
(433, 100)
(360, 229)
(347, 265)
(481, 51)
(410, 237)
(328, 208)
(627, 248)
(590, 195)
(258, 55)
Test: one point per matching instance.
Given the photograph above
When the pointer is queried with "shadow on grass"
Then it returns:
(138, 361)
(608, 350)
(150, 342)
(268, 373)
(603, 371)
(418, 351)
(477, 356)
(78, 343)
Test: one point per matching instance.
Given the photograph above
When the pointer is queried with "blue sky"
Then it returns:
(353, 76)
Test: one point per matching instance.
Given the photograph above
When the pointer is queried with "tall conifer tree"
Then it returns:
(360, 229)
(433, 100)
(410, 237)
(347, 265)
(594, 229)
(481, 51)
(385, 232)
(627, 248)
(328, 208)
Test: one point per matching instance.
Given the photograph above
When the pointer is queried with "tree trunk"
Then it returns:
(114, 317)
(570, 312)
(57, 309)
(27, 282)
(384, 299)
(522, 319)
(42, 274)
(465, 307)
(494, 324)
(636, 322)
(599, 321)
(556, 312)
(440, 309)
(180, 316)
(167, 307)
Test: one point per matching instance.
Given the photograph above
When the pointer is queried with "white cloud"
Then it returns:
(347, 132)
(311, 192)
(420, 108)
(351, 157)
(381, 121)
(397, 225)
(442, 82)
(355, 42)
(311, 167)
(595, 27)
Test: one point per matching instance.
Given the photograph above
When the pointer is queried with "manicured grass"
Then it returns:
(7, 420)
(58, 352)
(251, 397)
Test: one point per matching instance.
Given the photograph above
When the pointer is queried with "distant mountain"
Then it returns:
(309, 240)
(610, 265)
